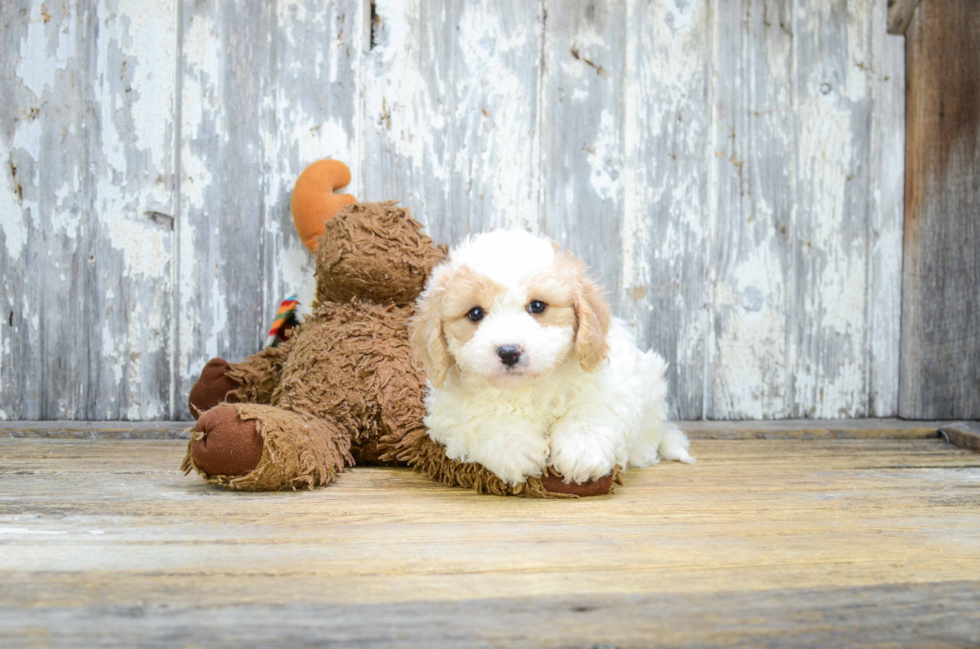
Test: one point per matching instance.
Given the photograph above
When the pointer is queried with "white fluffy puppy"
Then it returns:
(527, 369)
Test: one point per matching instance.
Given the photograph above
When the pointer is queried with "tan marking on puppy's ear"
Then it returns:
(591, 314)
(425, 329)
(555, 245)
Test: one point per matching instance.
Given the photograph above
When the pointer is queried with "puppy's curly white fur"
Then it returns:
(527, 369)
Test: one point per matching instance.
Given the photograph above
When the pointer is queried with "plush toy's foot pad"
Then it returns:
(229, 446)
(554, 483)
(212, 387)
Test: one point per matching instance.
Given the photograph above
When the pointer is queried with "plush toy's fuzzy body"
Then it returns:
(345, 388)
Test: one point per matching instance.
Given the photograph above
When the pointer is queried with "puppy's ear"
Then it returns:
(428, 341)
(592, 315)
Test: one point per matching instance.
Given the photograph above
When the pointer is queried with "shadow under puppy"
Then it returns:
(528, 370)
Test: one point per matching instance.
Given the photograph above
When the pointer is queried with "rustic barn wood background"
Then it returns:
(940, 357)
(733, 170)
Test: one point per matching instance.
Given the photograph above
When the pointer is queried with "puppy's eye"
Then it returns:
(536, 306)
(475, 314)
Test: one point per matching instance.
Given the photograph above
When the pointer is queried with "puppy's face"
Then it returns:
(506, 308)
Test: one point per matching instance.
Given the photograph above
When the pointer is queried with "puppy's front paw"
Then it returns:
(515, 456)
(581, 451)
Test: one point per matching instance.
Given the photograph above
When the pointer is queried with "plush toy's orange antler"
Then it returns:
(314, 201)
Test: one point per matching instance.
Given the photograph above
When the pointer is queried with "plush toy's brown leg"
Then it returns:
(554, 483)
(250, 381)
(257, 448)
(223, 444)
(214, 386)
(258, 375)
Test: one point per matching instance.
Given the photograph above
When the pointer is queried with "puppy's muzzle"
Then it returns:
(509, 354)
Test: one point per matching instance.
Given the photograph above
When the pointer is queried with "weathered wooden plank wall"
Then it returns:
(941, 315)
(732, 170)
(86, 203)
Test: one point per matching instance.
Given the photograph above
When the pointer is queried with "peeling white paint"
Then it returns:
(466, 139)
(44, 52)
(446, 114)
(21, 214)
(219, 320)
(199, 106)
(12, 224)
(152, 84)
(397, 103)
(750, 355)
(5, 336)
(604, 158)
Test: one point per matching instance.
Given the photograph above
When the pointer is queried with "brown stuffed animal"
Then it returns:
(345, 388)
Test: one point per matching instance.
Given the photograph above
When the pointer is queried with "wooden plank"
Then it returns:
(88, 210)
(965, 434)
(829, 373)
(227, 80)
(940, 374)
(935, 614)
(477, 115)
(750, 249)
(30, 75)
(791, 149)
(666, 134)
(808, 542)
(886, 218)
(900, 14)
(130, 155)
(584, 71)
(450, 129)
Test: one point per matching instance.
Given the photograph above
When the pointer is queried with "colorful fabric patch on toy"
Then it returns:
(285, 320)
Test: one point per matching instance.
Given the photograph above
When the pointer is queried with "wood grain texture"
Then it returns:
(829, 230)
(666, 133)
(450, 113)
(87, 209)
(582, 147)
(900, 14)
(885, 219)
(965, 434)
(752, 164)
(733, 175)
(812, 429)
(97, 430)
(804, 283)
(940, 375)
(942, 614)
(130, 155)
(227, 77)
(788, 542)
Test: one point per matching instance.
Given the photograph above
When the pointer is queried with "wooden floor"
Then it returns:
(873, 539)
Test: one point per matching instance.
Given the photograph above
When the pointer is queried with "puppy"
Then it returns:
(527, 369)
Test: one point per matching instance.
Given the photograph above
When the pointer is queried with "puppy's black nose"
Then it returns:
(509, 354)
